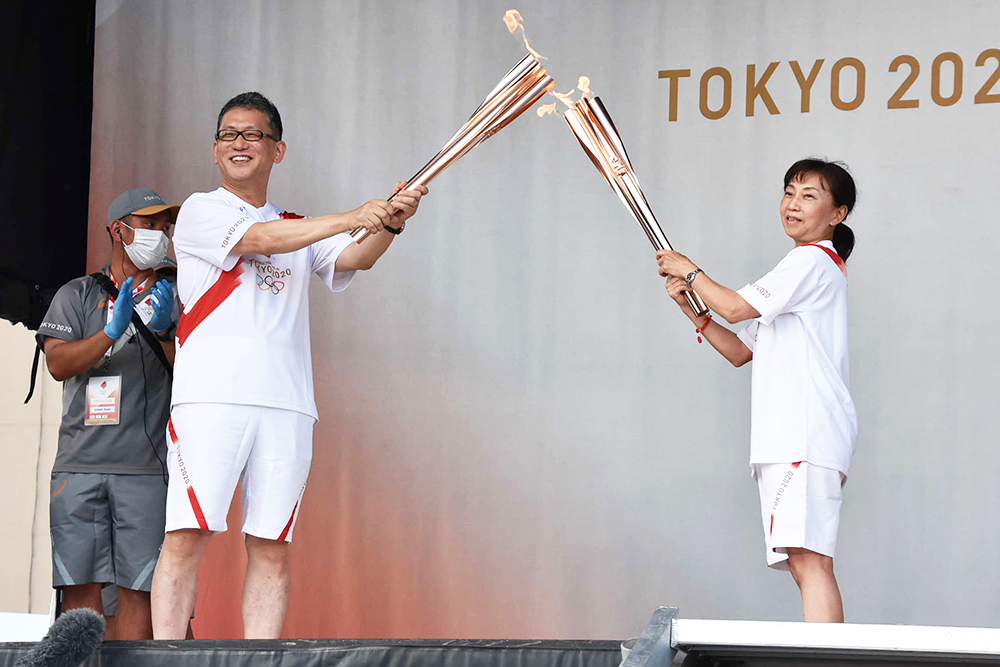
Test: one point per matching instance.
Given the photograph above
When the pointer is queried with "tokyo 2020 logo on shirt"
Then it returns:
(269, 283)
(269, 276)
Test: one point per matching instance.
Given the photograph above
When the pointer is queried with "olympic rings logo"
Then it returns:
(268, 283)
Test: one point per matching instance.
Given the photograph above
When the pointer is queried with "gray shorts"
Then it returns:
(106, 528)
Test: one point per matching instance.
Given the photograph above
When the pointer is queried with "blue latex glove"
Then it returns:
(123, 312)
(163, 306)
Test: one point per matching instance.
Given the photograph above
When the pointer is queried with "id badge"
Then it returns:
(103, 400)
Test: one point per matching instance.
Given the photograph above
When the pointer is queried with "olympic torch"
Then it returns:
(516, 92)
(599, 138)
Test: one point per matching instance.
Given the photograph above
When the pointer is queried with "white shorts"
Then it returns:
(212, 446)
(799, 507)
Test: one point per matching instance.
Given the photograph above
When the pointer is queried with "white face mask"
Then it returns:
(148, 247)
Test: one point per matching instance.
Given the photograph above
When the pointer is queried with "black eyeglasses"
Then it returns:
(248, 135)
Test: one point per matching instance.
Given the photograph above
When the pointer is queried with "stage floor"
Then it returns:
(346, 653)
(668, 640)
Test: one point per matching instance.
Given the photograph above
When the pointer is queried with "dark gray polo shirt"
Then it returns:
(79, 310)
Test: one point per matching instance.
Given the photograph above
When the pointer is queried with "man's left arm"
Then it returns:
(362, 256)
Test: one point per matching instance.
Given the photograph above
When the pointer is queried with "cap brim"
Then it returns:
(153, 210)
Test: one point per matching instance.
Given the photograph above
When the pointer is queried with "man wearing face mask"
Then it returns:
(108, 495)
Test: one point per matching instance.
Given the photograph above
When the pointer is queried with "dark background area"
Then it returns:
(46, 99)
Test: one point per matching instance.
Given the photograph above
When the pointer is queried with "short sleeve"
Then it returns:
(323, 255)
(784, 287)
(748, 335)
(209, 228)
(64, 319)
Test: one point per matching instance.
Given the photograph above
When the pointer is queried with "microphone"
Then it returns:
(72, 639)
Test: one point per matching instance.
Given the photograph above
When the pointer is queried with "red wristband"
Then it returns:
(708, 318)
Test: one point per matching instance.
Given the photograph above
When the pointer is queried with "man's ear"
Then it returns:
(279, 151)
(215, 154)
(115, 229)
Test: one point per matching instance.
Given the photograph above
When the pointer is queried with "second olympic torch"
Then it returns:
(596, 132)
(516, 93)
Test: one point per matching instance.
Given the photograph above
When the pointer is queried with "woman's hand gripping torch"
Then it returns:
(595, 131)
(516, 93)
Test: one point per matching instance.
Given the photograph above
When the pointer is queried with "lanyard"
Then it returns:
(135, 290)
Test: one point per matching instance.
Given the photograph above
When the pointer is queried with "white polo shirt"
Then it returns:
(243, 334)
(801, 407)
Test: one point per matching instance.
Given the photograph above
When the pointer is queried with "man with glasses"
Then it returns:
(243, 408)
(109, 478)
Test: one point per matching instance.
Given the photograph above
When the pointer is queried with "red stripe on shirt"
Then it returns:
(834, 256)
(198, 514)
(288, 215)
(173, 433)
(209, 301)
(288, 526)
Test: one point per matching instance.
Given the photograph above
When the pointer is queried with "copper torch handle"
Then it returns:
(599, 139)
(360, 234)
(697, 305)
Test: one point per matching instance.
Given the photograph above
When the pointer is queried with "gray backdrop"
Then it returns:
(519, 435)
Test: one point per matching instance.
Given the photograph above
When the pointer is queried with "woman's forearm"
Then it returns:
(724, 301)
(726, 342)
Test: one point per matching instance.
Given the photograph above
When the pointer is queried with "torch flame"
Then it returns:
(513, 19)
(564, 97)
(583, 86)
(546, 109)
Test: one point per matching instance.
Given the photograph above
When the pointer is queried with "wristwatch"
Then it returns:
(689, 277)
(393, 230)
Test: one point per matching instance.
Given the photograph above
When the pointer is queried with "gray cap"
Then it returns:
(139, 202)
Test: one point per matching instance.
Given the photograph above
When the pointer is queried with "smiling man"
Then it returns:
(243, 407)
